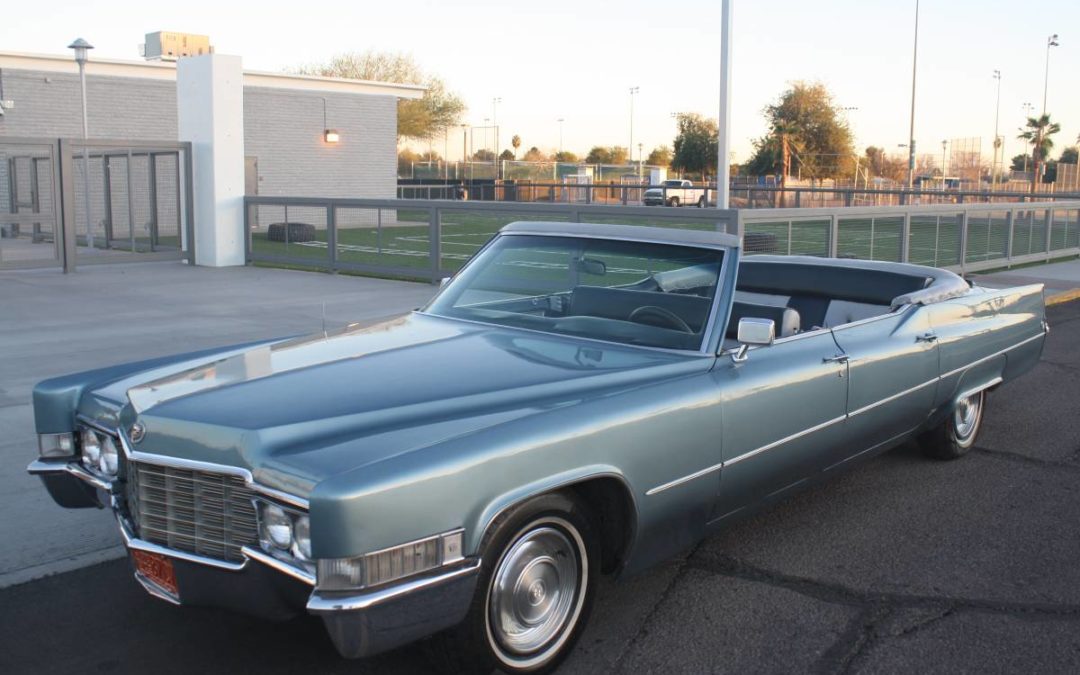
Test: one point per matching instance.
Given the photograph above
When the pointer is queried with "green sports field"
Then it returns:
(399, 238)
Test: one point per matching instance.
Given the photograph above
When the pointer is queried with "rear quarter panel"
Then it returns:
(987, 337)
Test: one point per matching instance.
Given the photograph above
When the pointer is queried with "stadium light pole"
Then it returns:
(495, 132)
(997, 137)
(911, 132)
(560, 120)
(1051, 41)
(944, 144)
(630, 148)
(81, 47)
(723, 144)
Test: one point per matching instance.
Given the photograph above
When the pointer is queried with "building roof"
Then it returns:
(166, 70)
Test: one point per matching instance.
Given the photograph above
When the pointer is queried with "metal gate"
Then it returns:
(73, 202)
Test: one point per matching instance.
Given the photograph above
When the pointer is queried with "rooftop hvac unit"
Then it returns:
(169, 46)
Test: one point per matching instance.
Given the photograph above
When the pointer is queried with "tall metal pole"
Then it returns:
(561, 120)
(943, 171)
(911, 132)
(630, 148)
(494, 122)
(997, 138)
(723, 145)
(81, 48)
(1051, 41)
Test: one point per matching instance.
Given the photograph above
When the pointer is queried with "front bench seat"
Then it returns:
(786, 319)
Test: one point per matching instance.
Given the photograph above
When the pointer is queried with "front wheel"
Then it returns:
(956, 435)
(701, 203)
(535, 590)
(674, 201)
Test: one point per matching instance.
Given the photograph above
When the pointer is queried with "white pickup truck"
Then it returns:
(675, 193)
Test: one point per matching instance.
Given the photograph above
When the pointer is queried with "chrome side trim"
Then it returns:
(770, 446)
(997, 353)
(329, 604)
(786, 439)
(889, 399)
(680, 481)
(279, 565)
(981, 387)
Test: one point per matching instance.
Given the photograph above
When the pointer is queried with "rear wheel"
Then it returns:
(701, 203)
(956, 434)
(535, 590)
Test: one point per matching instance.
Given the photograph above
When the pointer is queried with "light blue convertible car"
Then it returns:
(579, 400)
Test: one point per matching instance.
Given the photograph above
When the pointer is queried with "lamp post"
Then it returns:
(81, 47)
(944, 144)
(911, 133)
(495, 132)
(630, 148)
(997, 138)
(640, 148)
(560, 120)
(1051, 41)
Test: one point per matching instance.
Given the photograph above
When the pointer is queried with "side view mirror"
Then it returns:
(753, 331)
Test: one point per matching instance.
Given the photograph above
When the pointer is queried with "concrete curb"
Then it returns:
(1065, 296)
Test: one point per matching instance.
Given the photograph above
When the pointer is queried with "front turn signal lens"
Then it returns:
(56, 445)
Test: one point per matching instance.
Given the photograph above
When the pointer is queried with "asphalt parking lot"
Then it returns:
(903, 565)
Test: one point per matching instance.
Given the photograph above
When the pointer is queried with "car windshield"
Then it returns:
(655, 295)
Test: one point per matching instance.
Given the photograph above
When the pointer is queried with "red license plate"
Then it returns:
(157, 568)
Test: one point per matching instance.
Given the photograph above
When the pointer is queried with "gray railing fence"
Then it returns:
(742, 196)
(431, 239)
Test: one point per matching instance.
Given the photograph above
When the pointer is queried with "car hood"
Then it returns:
(297, 411)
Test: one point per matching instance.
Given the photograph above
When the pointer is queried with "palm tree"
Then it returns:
(516, 142)
(1038, 132)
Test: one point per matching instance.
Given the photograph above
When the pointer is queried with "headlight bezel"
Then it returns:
(98, 452)
(293, 552)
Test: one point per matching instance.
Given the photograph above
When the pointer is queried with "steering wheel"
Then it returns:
(666, 316)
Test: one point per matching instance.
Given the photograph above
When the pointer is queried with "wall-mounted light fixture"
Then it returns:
(329, 135)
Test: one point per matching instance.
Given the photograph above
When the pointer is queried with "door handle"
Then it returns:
(926, 337)
(839, 358)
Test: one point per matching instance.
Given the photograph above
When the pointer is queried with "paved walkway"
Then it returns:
(52, 324)
(1061, 278)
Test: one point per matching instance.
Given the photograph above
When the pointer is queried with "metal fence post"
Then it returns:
(1049, 230)
(189, 204)
(435, 243)
(331, 235)
(905, 238)
(963, 239)
(1009, 239)
(247, 231)
(67, 204)
(834, 235)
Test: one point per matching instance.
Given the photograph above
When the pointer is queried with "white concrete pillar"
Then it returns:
(210, 107)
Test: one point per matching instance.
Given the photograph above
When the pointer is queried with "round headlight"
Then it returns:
(302, 534)
(109, 463)
(91, 449)
(277, 530)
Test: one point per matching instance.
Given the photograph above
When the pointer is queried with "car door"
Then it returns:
(892, 378)
(783, 409)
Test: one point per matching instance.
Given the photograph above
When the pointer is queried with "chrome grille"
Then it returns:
(202, 512)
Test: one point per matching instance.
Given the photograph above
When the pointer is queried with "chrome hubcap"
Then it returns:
(534, 590)
(966, 416)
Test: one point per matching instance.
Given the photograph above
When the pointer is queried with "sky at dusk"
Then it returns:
(577, 60)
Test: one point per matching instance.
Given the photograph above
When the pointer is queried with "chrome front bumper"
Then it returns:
(360, 624)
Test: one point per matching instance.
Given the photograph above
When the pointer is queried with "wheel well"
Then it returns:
(613, 508)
